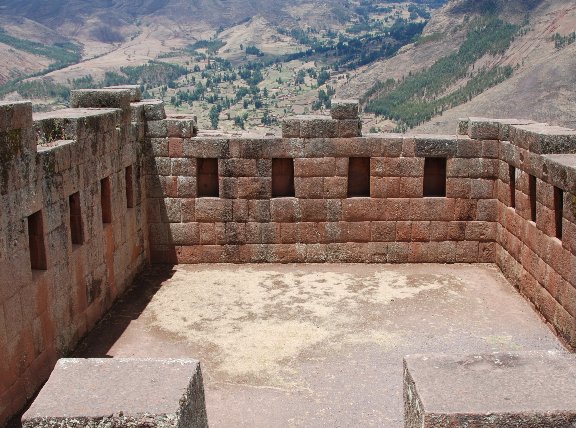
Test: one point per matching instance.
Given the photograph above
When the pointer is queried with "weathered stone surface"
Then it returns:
(544, 139)
(103, 98)
(121, 393)
(100, 98)
(349, 128)
(73, 124)
(135, 92)
(291, 128)
(532, 389)
(463, 125)
(15, 115)
(157, 129)
(318, 127)
(481, 128)
(436, 145)
(154, 110)
(345, 109)
(181, 126)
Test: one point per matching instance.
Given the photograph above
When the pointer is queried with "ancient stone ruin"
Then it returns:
(93, 194)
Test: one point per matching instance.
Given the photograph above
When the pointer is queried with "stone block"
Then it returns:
(135, 92)
(345, 109)
(291, 128)
(483, 129)
(436, 145)
(463, 125)
(154, 110)
(15, 115)
(137, 110)
(103, 98)
(157, 129)
(318, 127)
(349, 128)
(213, 210)
(315, 167)
(504, 390)
(544, 139)
(206, 147)
(506, 124)
(121, 393)
(182, 127)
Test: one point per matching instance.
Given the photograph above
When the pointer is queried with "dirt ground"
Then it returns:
(314, 345)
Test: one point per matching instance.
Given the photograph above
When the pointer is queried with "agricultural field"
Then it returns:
(253, 74)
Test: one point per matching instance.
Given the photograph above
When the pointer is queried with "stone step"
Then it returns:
(504, 390)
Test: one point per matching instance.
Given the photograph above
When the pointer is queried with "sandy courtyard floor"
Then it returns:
(314, 345)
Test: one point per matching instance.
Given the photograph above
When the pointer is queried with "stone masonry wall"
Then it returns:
(90, 194)
(395, 223)
(531, 253)
(392, 223)
(61, 265)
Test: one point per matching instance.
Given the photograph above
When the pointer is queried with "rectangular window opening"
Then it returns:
(435, 177)
(359, 177)
(558, 210)
(532, 196)
(129, 187)
(36, 242)
(76, 229)
(512, 179)
(283, 178)
(106, 200)
(208, 178)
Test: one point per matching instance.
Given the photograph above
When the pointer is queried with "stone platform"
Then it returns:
(499, 390)
(315, 345)
(121, 393)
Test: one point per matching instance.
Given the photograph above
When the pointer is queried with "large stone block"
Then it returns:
(154, 110)
(532, 389)
(318, 127)
(349, 128)
(483, 129)
(291, 128)
(183, 126)
(103, 98)
(121, 393)
(345, 109)
(15, 115)
(135, 92)
(436, 145)
(544, 139)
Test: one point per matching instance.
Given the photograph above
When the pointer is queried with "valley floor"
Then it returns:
(314, 345)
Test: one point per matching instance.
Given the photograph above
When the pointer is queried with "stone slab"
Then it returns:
(525, 389)
(345, 109)
(120, 392)
(135, 92)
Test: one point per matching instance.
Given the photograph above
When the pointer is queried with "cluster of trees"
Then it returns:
(212, 46)
(418, 12)
(42, 88)
(563, 41)
(253, 50)
(149, 75)
(63, 54)
(324, 98)
(421, 96)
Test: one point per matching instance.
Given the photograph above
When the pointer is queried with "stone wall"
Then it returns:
(90, 194)
(62, 264)
(390, 222)
(536, 233)
(395, 221)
